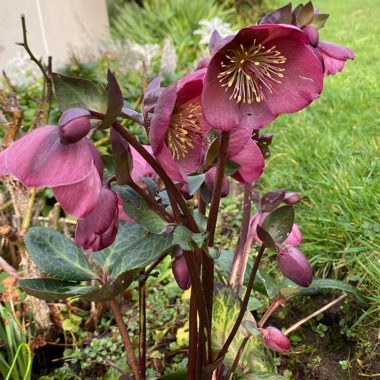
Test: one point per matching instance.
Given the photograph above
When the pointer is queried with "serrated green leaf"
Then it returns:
(139, 210)
(194, 182)
(79, 92)
(262, 376)
(57, 255)
(199, 239)
(182, 237)
(133, 248)
(279, 223)
(50, 289)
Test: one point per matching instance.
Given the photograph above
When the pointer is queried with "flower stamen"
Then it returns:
(250, 70)
(183, 130)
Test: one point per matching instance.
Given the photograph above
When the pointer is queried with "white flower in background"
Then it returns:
(21, 71)
(208, 26)
(143, 54)
(168, 57)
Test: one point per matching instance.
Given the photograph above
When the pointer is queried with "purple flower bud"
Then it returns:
(74, 125)
(98, 230)
(181, 272)
(295, 266)
(312, 33)
(275, 339)
(210, 178)
(291, 198)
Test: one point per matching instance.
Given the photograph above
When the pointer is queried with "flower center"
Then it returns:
(250, 70)
(183, 130)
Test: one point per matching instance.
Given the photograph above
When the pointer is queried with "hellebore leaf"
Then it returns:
(113, 287)
(133, 248)
(279, 223)
(57, 255)
(179, 375)
(139, 210)
(182, 237)
(115, 101)
(319, 20)
(50, 289)
(265, 237)
(78, 92)
(226, 307)
(262, 376)
(194, 182)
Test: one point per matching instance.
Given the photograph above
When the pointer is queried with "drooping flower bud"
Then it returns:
(275, 339)
(181, 272)
(210, 178)
(74, 125)
(312, 33)
(98, 230)
(291, 198)
(295, 266)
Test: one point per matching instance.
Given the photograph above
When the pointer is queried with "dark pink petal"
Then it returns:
(291, 198)
(141, 168)
(74, 125)
(312, 33)
(214, 42)
(80, 198)
(295, 266)
(303, 78)
(238, 140)
(40, 159)
(190, 87)
(98, 230)
(275, 339)
(173, 170)
(251, 163)
(97, 159)
(334, 57)
(152, 93)
(161, 119)
(294, 239)
(123, 216)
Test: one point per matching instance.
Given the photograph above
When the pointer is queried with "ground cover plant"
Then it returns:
(171, 116)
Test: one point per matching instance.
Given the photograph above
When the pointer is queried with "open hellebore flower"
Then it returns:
(275, 339)
(98, 229)
(261, 72)
(295, 266)
(60, 157)
(177, 128)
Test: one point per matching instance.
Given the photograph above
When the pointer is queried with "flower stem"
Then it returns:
(142, 329)
(238, 356)
(125, 338)
(244, 305)
(243, 235)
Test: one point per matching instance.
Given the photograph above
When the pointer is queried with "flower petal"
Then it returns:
(79, 199)
(166, 160)
(40, 159)
(251, 163)
(334, 56)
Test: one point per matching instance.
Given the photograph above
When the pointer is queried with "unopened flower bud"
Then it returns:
(210, 181)
(181, 272)
(295, 266)
(291, 198)
(275, 339)
(312, 33)
(99, 229)
(74, 125)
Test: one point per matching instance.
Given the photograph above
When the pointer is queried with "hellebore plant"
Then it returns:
(204, 133)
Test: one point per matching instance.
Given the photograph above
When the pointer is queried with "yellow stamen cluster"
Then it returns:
(249, 70)
(183, 130)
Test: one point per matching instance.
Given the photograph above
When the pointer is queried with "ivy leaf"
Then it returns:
(50, 289)
(114, 103)
(279, 223)
(57, 255)
(79, 92)
(138, 209)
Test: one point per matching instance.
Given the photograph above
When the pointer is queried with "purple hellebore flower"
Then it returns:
(60, 157)
(177, 127)
(261, 72)
(275, 339)
(98, 230)
(141, 168)
(210, 177)
(295, 266)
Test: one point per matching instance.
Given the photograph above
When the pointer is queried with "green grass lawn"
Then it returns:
(330, 154)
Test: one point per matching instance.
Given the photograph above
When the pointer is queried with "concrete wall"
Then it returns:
(55, 27)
